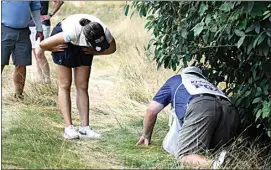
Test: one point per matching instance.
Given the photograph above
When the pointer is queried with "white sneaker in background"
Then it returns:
(220, 160)
(70, 133)
(87, 132)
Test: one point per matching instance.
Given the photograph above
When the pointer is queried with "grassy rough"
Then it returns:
(121, 85)
(33, 141)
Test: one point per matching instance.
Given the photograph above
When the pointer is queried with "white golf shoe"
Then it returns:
(70, 133)
(87, 132)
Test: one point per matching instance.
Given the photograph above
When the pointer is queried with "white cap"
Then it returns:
(192, 69)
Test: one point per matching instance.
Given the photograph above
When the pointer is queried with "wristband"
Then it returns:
(50, 14)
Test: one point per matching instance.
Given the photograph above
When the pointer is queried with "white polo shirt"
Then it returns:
(72, 30)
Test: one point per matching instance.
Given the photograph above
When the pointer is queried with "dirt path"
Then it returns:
(100, 86)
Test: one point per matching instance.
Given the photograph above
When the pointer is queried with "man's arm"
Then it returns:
(56, 7)
(35, 14)
(149, 121)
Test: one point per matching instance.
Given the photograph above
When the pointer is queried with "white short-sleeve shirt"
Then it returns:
(72, 30)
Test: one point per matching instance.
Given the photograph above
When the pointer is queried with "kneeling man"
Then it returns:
(206, 117)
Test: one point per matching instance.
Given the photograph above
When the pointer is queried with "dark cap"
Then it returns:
(100, 43)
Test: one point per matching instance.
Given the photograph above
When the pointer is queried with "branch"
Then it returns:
(218, 46)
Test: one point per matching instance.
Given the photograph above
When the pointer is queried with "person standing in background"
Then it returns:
(15, 38)
(41, 61)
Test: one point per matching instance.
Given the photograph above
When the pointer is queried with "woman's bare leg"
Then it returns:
(81, 77)
(64, 90)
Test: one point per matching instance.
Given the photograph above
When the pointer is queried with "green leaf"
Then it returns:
(265, 50)
(239, 33)
(257, 100)
(266, 12)
(257, 9)
(243, 25)
(258, 114)
(269, 42)
(259, 91)
(198, 29)
(240, 42)
(250, 28)
(250, 6)
(266, 110)
(213, 28)
(226, 7)
(268, 32)
(259, 39)
(126, 9)
(257, 28)
(247, 93)
(267, 16)
(206, 37)
(184, 33)
(203, 8)
(208, 19)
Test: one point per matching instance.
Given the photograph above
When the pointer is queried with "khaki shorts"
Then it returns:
(209, 123)
(46, 34)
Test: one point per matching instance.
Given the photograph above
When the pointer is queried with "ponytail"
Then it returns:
(84, 21)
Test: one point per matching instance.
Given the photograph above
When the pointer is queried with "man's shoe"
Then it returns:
(219, 160)
(70, 133)
(87, 132)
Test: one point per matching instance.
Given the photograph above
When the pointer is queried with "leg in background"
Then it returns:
(40, 75)
(43, 66)
(19, 79)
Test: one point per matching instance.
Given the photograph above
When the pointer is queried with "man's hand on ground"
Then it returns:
(143, 141)
(39, 35)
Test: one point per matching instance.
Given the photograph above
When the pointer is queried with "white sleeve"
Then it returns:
(69, 34)
(67, 37)
(108, 35)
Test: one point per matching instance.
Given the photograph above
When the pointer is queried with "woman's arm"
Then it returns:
(112, 48)
(52, 42)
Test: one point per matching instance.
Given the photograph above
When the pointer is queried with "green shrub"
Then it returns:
(231, 41)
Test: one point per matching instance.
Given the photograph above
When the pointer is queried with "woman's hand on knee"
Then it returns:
(59, 48)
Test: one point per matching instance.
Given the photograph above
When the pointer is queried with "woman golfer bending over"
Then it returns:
(73, 42)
